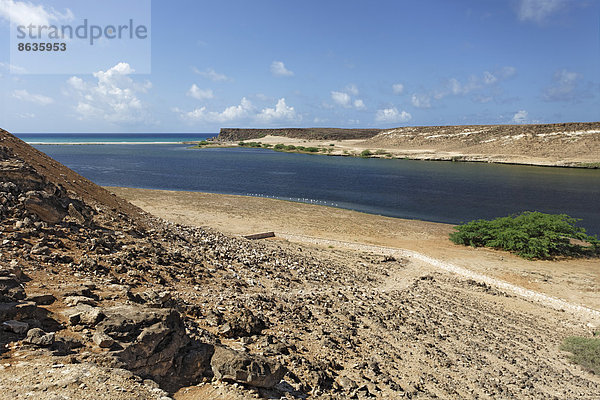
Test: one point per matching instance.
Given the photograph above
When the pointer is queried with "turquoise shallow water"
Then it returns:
(63, 138)
(433, 191)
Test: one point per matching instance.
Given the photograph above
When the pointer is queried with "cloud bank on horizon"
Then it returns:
(311, 64)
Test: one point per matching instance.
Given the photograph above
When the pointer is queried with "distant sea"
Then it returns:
(112, 138)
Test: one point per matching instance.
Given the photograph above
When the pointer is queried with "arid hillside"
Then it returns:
(566, 144)
(569, 144)
(100, 300)
(237, 134)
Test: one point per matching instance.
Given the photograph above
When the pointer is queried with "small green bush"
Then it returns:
(366, 153)
(250, 144)
(279, 147)
(530, 235)
(586, 352)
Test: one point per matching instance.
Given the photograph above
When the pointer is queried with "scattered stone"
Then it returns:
(76, 215)
(42, 299)
(73, 301)
(38, 337)
(102, 340)
(231, 365)
(16, 326)
(10, 289)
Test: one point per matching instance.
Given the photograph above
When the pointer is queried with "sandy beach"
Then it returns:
(573, 280)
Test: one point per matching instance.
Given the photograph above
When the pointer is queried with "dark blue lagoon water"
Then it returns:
(433, 191)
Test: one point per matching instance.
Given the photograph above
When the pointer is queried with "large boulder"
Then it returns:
(231, 365)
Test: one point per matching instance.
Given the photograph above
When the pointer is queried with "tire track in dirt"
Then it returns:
(590, 314)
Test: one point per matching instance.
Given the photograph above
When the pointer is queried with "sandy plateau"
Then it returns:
(101, 299)
(569, 144)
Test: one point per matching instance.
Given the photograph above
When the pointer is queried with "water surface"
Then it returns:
(428, 190)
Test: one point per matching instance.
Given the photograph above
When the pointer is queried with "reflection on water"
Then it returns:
(433, 191)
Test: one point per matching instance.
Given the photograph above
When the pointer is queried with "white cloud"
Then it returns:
(398, 88)
(520, 117)
(421, 100)
(281, 112)
(24, 95)
(12, 67)
(352, 89)
(212, 74)
(341, 98)
(344, 98)
(538, 10)
(278, 69)
(114, 97)
(472, 85)
(489, 78)
(392, 115)
(200, 94)
(564, 86)
(76, 82)
(229, 114)
(359, 104)
(244, 111)
(508, 72)
(25, 13)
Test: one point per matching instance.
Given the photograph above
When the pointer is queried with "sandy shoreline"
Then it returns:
(576, 281)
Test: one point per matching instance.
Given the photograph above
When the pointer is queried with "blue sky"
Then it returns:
(310, 63)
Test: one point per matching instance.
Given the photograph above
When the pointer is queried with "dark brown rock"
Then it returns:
(231, 365)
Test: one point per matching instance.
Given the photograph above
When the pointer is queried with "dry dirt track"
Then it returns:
(549, 301)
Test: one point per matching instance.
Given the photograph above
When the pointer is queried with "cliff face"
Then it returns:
(236, 134)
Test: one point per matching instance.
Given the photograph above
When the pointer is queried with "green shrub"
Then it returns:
(586, 352)
(279, 147)
(530, 235)
(366, 153)
(312, 149)
(250, 144)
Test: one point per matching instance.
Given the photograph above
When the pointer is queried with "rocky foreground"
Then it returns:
(99, 300)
